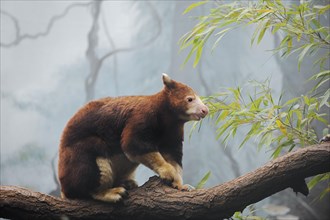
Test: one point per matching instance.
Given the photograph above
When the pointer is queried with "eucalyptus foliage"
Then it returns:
(270, 122)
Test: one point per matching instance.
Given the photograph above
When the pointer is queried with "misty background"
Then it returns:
(58, 55)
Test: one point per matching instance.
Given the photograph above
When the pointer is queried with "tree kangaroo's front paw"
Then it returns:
(167, 173)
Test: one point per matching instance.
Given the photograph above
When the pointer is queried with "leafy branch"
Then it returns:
(271, 123)
(295, 22)
(281, 125)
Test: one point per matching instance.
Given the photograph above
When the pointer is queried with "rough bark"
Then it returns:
(154, 200)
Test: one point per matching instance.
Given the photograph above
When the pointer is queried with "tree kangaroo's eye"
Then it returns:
(190, 99)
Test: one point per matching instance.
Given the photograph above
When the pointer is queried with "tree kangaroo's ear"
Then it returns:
(168, 82)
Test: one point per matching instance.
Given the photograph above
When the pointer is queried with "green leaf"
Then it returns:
(263, 30)
(320, 83)
(289, 46)
(321, 7)
(284, 41)
(264, 15)
(192, 35)
(194, 5)
(299, 119)
(223, 128)
(188, 57)
(291, 101)
(226, 23)
(315, 180)
(247, 137)
(223, 115)
(291, 147)
(277, 152)
(307, 100)
(303, 53)
(206, 32)
(324, 192)
(203, 181)
(256, 31)
(278, 26)
(198, 56)
(217, 41)
(321, 74)
(222, 33)
(266, 140)
(238, 215)
(299, 37)
(321, 119)
(243, 13)
(325, 98)
(233, 13)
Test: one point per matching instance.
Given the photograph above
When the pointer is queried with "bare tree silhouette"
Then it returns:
(19, 37)
(96, 62)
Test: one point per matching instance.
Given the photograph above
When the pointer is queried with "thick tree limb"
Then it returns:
(154, 200)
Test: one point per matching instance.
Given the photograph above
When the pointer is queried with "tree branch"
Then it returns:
(154, 200)
(21, 37)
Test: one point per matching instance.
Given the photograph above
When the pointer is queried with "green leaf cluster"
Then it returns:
(296, 23)
(269, 122)
(250, 216)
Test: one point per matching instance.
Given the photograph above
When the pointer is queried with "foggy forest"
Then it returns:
(57, 56)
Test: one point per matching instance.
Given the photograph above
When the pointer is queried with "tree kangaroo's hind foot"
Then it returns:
(111, 195)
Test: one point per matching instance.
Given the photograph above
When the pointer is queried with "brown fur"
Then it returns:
(105, 140)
